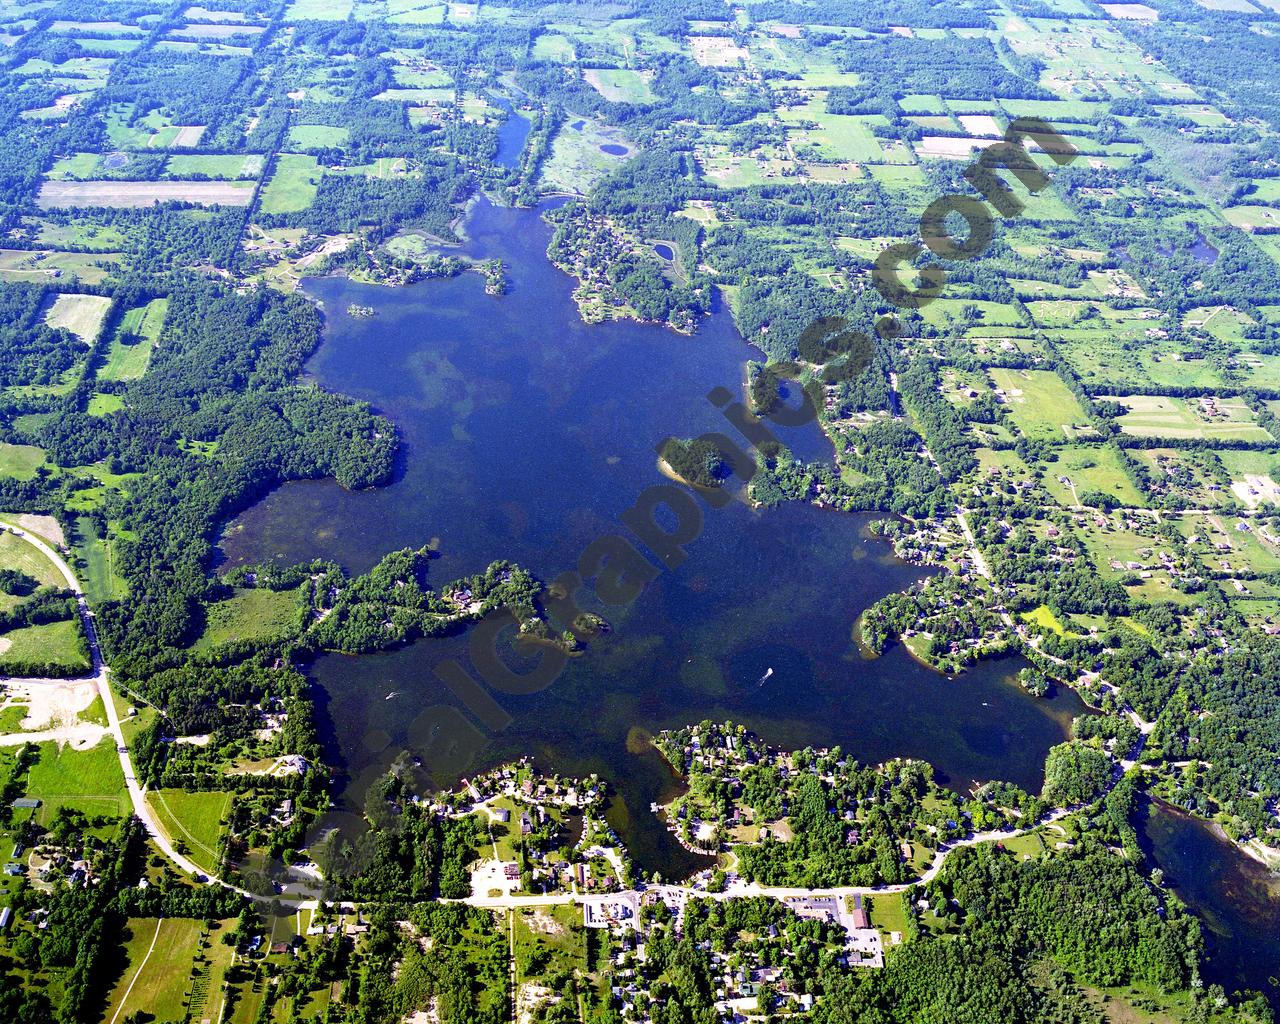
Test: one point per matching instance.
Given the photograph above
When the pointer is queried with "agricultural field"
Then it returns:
(82, 315)
(1079, 470)
(228, 166)
(133, 194)
(1203, 418)
(174, 968)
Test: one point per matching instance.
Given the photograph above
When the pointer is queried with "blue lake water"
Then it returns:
(526, 434)
(1236, 898)
(512, 136)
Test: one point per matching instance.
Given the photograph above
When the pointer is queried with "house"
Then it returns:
(502, 814)
(25, 803)
(5, 914)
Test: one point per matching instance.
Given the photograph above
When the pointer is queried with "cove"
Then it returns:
(512, 135)
(526, 434)
(1236, 899)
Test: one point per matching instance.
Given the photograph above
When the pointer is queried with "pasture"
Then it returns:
(20, 461)
(222, 166)
(193, 819)
(317, 136)
(1079, 469)
(16, 553)
(293, 184)
(620, 86)
(175, 971)
(55, 643)
(1040, 404)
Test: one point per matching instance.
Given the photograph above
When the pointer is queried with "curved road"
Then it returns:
(506, 902)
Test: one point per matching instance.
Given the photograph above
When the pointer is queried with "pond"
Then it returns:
(614, 149)
(665, 252)
(526, 435)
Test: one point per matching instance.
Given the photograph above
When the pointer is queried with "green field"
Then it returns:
(317, 136)
(293, 184)
(129, 362)
(1090, 469)
(82, 315)
(1040, 404)
(20, 460)
(57, 643)
(18, 554)
(174, 971)
(222, 166)
(620, 86)
(104, 404)
(193, 820)
(248, 615)
(88, 780)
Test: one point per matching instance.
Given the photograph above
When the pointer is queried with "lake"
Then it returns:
(526, 434)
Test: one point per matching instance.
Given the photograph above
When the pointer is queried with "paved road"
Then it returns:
(101, 678)
(504, 902)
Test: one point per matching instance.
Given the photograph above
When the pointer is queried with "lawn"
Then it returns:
(1040, 404)
(249, 614)
(142, 325)
(1042, 616)
(293, 185)
(57, 643)
(193, 820)
(88, 780)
